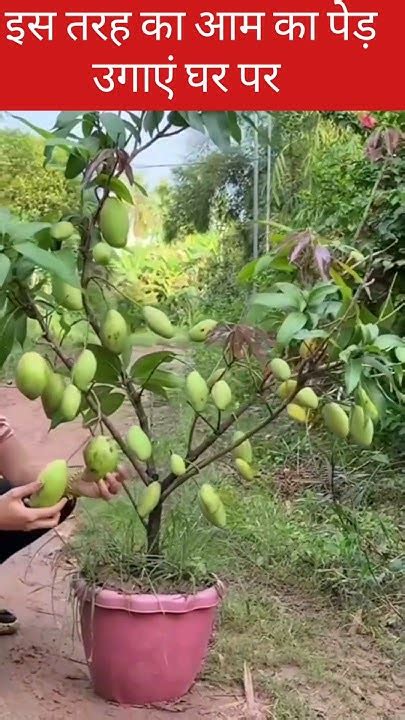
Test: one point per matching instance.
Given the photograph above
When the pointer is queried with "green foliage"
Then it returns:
(214, 191)
(170, 275)
(27, 188)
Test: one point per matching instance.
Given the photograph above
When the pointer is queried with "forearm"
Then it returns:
(15, 463)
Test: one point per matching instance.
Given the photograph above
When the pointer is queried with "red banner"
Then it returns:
(218, 55)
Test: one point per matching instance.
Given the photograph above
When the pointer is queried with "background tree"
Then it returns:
(27, 188)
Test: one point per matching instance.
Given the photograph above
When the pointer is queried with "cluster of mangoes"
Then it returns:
(358, 424)
(114, 228)
(36, 379)
(199, 391)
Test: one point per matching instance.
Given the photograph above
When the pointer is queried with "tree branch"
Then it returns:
(196, 469)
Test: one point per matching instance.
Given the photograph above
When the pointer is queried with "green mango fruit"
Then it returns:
(177, 465)
(101, 456)
(149, 499)
(54, 478)
(200, 331)
(62, 230)
(114, 223)
(287, 389)
(306, 398)
(336, 420)
(31, 375)
(52, 394)
(197, 391)
(280, 369)
(298, 413)
(244, 450)
(102, 253)
(158, 322)
(84, 370)
(221, 395)
(66, 295)
(361, 427)
(212, 506)
(114, 332)
(70, 403)
(139, 443)
(244, 469)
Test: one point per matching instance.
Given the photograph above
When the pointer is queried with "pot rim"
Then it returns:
(146, 603)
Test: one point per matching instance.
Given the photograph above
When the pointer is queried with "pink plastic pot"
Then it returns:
(144, 649)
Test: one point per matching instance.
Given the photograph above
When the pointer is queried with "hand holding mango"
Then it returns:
(56, 482)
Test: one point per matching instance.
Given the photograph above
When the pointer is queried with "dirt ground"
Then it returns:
(43, 672)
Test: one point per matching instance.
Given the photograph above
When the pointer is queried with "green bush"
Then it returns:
(28, 189)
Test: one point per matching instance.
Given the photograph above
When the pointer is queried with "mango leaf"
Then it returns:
(141, 189)
(7, 221)
(147, 364)
(248, 271)
(66, 117)
(346, 354)
(48, 261)
(113, 125)
(108, 365)
(346, 291)
(178, 119)
(7, 331)
(234, 127)
(320, 293)
(388, 342)
(46, 134)
(263, 263)
(5, 266)
(117, 186)
(160, 378)
(156, 389)
(152, 121)
(75, 165)
(293, 323)
(353, 374)
(111, 401)
(194, 119)
(294, 293)
(27, 230)
(217, 128)
(400, 353)
(169, 379)
(283, 264)
(275, 301)
(378, 364)
(20, 327)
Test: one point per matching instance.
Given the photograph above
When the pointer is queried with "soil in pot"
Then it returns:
(145, 648)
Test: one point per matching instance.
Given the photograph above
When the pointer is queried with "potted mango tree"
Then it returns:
(145, 647)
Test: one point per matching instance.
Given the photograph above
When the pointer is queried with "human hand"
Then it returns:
(89, 486)
(15, 515)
